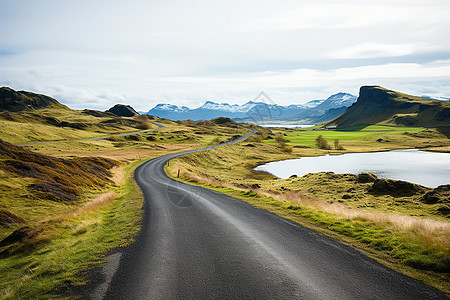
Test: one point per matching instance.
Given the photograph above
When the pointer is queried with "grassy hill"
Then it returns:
(63, 205)
(29, 117)
(13, 101)
(377, 105)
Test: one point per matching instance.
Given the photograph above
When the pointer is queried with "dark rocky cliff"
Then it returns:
(376, 105)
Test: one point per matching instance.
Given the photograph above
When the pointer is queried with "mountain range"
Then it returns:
(312, 112)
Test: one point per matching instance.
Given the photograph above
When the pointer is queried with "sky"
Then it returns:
(97, 53)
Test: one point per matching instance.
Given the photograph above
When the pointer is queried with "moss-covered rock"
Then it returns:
(441, 194)
(396, 187)
(366, 177)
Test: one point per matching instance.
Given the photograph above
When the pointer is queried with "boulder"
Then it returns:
(441, 194)
(366, 177)
(396, 187)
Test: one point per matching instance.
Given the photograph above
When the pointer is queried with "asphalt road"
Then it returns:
(200, 244)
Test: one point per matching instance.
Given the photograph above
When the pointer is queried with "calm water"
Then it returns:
(426, 168)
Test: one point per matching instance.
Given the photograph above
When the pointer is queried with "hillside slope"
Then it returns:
(13, 101)
(29, 117)
(377, 105)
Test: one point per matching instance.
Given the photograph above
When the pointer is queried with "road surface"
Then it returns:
(197, 243)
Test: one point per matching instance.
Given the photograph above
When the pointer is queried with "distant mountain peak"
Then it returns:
(256, 111)
(170, 107)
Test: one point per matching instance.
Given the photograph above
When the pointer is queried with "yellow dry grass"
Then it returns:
(96, 204)
(426, 230)
(431, 232)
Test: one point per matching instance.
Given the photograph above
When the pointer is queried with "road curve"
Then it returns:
(197, 243)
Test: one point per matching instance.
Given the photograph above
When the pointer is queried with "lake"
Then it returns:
(426, 168)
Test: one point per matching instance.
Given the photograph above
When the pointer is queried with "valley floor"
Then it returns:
(401, 230)
(70, 238)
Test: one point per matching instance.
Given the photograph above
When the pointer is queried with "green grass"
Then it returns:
(308, 138)
(70, 244)
(50, 124)
(383, 128)
(402, 231)
(68, 238)
(395, 248)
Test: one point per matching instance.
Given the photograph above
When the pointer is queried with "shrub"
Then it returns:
(257, 138)
(215, 141)
(337, 146)
(287, 149)
(144, 122)
(322, 143)
(144, 125)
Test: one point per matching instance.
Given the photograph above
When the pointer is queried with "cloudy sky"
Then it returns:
(96, 53)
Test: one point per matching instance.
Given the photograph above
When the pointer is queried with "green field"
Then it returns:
(308, 137)
(383, 128)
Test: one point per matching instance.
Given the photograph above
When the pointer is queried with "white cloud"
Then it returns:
(94, 54)
(374, 50)
(352, 14)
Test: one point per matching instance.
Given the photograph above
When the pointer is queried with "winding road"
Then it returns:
(197, 243)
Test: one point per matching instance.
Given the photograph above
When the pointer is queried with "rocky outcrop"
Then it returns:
(441, 194)
(366, 177)
(122, 110)
(376, 105)
(396, 187)
(13, 101)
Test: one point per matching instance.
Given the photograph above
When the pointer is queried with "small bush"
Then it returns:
(322, 143)
(144, 122)
(257, 138)
(338, 146)
(216, 141)
(144, 125)
(287, 149)
(115, 138)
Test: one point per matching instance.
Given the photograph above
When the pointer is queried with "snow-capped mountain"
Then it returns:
(221, 106)
(330, 108)
(171, 107)
(336, 101)
(256, 111)
(168, 111)
(313, 103)
(437, 98)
